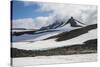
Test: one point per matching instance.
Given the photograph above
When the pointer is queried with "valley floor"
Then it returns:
(41, 60)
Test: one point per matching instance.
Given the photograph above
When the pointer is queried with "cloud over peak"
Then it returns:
(84, 13)
(80, 12)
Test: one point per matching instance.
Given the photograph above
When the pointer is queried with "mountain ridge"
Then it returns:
(62, 23)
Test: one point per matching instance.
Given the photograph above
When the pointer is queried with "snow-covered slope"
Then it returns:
(34, 37)
(51, 43)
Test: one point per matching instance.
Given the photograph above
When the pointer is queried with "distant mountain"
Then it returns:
(56, 26)
(18, 29)
(21, 31)
(73, 23)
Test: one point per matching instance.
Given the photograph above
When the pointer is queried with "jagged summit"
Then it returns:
(74, 23)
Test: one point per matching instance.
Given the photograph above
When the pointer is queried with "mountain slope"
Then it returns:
(89, 46)
(77, 36)
(73, 33)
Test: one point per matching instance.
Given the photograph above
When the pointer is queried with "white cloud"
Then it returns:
(84, 13)
(23, 23)
(28, 3)
(40, 21)
(30, 23)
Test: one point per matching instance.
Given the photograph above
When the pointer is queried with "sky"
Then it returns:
(22, 10)
(34, 15)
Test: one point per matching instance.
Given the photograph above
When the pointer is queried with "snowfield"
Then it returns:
(35, 37)
(41, 60)
(51, 43)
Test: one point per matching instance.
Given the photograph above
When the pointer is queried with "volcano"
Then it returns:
(57, 24)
